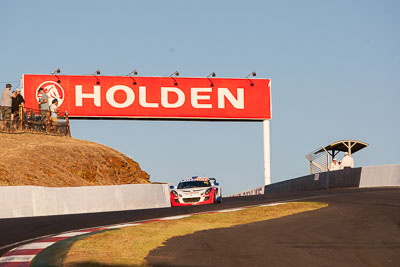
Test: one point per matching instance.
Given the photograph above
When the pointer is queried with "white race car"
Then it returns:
(196, 191)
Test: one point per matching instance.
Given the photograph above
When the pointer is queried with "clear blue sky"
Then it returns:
(334, 65)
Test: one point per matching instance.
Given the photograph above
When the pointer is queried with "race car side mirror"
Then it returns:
(171, 187)
(217, 184)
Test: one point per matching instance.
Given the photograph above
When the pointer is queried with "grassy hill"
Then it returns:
(43, 160)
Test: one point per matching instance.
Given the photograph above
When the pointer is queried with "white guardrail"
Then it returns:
(27, 201)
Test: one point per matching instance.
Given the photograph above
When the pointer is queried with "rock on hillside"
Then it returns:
(43, 160)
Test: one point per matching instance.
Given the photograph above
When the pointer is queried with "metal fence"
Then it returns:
(319, 161)
(252, 192)
(29, 120)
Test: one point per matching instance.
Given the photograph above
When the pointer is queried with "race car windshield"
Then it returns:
(191, 184)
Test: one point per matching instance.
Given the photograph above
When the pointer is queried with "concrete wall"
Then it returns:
(374, 176)
(386, 175)
(319, 181)
(26, 201)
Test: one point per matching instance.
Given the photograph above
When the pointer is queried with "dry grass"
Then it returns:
(44, 160)
(129, 246)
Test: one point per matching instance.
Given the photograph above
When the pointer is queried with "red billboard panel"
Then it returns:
(153, 97)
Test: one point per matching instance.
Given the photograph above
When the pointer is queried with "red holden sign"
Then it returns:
(153, 97)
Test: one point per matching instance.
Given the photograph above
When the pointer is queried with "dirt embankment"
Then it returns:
(36, 159)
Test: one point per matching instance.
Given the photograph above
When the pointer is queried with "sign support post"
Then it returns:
(267, 152)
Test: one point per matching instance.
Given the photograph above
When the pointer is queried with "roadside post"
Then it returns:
(21, 117)
(67, 124)
(48, 122)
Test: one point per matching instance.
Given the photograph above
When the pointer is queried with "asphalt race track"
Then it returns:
(13, 231)
(360, 227)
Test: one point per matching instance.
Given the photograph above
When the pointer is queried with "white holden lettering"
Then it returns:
(79, 96)
(130, 96)
(195, 97)
(164, 97)
(237, 103)
(143, 100)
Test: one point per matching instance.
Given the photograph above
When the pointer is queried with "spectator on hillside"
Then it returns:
(54, 113)
(43, 104)
(6, 99)
(334, 165)
(347, 161)
(21, 101)
(13, 103)
(17, 100)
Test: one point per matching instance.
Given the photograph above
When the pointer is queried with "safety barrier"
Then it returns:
(27, 201)
(373, 176)
(386, 175)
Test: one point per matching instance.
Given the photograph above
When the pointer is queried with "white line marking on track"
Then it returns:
(122, 225)
(273, 204)
(25, 241)
(229, 210)
(17, 258)
(36, 245)
(174, 217)
(71, 234)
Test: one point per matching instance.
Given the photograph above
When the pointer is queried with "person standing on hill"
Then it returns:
(347, 161)
(54, 113)
(43, 104)
(6, 100)
(17, 100)
(13, 104)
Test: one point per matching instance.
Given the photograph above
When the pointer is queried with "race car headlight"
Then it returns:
(174, 193)
(208, 191)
